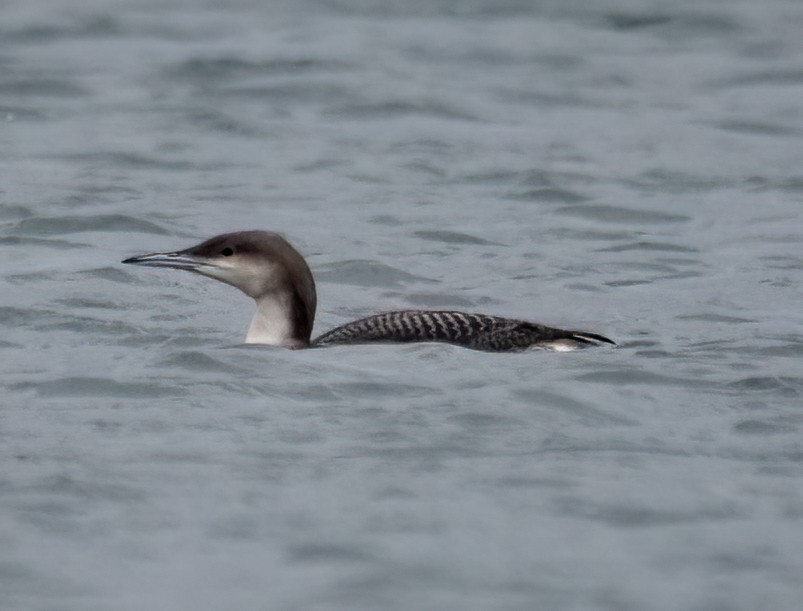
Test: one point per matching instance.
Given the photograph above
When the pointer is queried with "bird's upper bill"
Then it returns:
(173, 260)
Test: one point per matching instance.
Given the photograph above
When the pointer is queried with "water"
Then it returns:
(630, 168)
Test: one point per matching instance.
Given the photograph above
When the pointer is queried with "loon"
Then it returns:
(264, 266)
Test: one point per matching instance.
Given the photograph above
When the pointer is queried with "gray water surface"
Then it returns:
(629, 168)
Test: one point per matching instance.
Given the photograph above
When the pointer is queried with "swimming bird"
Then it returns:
(267, 268)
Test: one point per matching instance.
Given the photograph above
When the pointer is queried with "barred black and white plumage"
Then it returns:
(476, 331)
(267, 268)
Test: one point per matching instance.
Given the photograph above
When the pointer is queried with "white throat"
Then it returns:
(272, 323)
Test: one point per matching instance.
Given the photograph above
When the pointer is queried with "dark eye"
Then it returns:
(227, 252)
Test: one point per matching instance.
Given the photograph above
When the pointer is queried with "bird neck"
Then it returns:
(280, 320)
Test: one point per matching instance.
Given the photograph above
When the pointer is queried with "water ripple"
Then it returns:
(453, 237)
(757, 128)
(550, 194)
(649, 247)
(98, 387)
(632, 516)
(130, 160)
(193, 360)
(783, 385)
(210, 69)
(620, 214)
(86, 27)
(330, 552)
(41, 242)
(585, 411)
(77, 224)
(42, 87)
(635, 376)
(393, 109)
(366, 273)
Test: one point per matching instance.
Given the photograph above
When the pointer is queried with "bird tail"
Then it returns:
(585, 337)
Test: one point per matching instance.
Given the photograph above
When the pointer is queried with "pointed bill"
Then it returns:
(172, 260)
